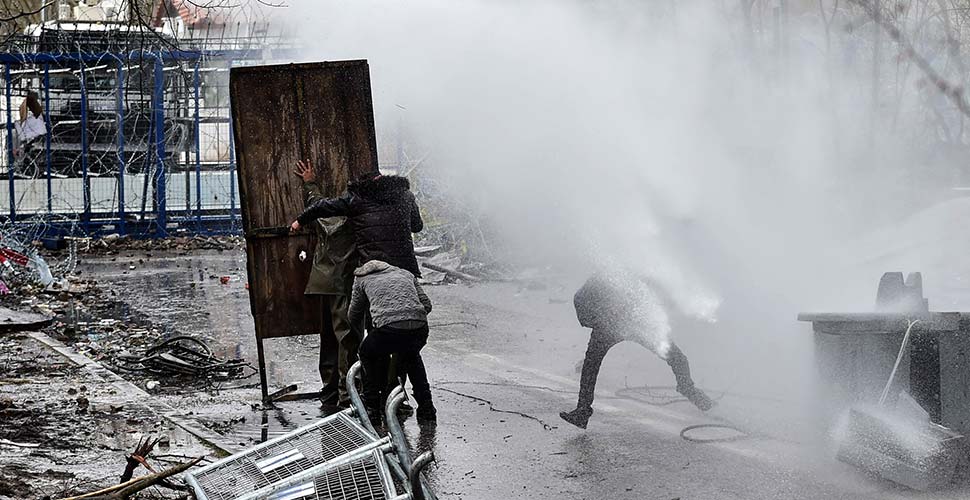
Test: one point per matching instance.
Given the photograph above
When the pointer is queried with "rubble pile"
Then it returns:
(96, 320)
(185, 360)
(65, 430)
(114, 243)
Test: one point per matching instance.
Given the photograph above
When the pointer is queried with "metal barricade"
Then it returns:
(338, 457)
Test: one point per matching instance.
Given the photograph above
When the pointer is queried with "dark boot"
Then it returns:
(420, 388)
(374, 414)
(405, 411)
(426, 413)
(685, 384)
(578, 417)
(697, 397)
(330, 409)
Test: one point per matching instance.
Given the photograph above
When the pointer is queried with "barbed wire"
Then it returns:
(104, 82)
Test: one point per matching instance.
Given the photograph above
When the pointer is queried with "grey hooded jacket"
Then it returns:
(391, 295)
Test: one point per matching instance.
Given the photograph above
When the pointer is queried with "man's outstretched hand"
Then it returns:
(295, 227)
(305, 171)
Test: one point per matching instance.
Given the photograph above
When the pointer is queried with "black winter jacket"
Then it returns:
(618, 300)
(383, 214)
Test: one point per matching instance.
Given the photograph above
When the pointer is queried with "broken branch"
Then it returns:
(955, 93)
(451, 272)
(124, 490)
(7, 442)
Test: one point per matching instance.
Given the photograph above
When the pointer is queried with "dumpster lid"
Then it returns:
(887, 320)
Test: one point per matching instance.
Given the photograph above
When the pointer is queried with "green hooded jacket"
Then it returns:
(336, 256)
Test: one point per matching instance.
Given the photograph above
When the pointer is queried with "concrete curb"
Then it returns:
(132, 391)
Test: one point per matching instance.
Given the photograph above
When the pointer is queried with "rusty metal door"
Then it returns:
(281, 113)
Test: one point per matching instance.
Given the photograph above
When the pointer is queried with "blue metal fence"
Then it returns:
(166, 149)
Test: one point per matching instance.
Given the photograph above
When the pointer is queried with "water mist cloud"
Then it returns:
(593, 133)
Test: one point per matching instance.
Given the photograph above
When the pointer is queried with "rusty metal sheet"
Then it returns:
(281, 113)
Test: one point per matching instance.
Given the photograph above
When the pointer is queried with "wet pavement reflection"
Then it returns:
(205, 296)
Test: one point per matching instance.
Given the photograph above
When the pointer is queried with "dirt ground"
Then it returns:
(71, 427)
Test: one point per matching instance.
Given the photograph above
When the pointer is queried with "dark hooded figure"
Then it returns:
(621, 306)
(382, 212)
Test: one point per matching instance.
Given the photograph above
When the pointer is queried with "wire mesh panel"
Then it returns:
(283, 457)
(358, 480)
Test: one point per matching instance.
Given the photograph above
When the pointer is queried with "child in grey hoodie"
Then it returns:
(398, 310)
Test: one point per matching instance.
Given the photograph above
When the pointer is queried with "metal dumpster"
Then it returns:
(855, 353)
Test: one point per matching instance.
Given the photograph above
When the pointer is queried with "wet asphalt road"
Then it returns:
(502, 360)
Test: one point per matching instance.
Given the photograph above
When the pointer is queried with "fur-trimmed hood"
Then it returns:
(371, 266)
(383, 189)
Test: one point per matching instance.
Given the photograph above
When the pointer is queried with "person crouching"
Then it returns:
(398, 310)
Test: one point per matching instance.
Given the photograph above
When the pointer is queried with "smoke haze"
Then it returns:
(652, 135)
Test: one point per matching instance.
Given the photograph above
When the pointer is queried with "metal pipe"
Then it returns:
(198, 151)
(47, 137)
(380, 446)
(134, 55)
(400, 441)
(160, 194)
(120, 109)
(355, 401)
(271, 442)
(389, 485)
(395, 468)
(414, 475)
(89, 69)
(13, 203)
(232, 171)
(261, 363)
(85, 181)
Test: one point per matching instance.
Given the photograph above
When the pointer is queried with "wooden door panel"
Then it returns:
(281, 113)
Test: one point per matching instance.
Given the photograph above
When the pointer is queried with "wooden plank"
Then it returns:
(339, 133)
(18, 321)
(265, 124)
(282, 113)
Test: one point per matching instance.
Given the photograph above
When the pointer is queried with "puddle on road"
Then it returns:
(188, 295)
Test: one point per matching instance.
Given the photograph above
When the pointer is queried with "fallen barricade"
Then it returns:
(340, 456)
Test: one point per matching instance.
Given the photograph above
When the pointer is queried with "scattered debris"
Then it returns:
(124, 490)
(7, 442)
(113, 243)
(18, 321)
(443, 265)
(65, 430)
(180, 360)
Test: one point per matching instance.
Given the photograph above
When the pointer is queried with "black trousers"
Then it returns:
(375, 353)
(600, 342)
